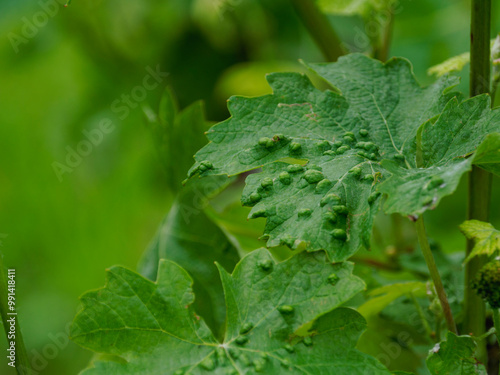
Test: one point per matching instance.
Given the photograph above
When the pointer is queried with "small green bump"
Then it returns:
(368, 177)
(247, 327)
(363, 154)
(258, 213)
(266, 182)
(241, 340)
(307, 341)
(340, 209)
(221, 354)
(295, 168)
(264, 355)
(339, 234)
(399, 157)
(179, 372)
(287, 240)
(348, 138)
(234, 352)
(323, 145)
(244, 359)
(356, 171)
(285, 178)
(286, 309)
(349, 134)
(370, 146)
(208, 364)
(363, 132)
(231, 371)
(289, 348)
(295, 147)
(313, 176)
(323, 186)
(330, 198)
(255, 197)
(278, 137)
(304, 212)
(264, 141)
(330, 216)
(373, 197)
(428, 201)
(329, 153)
(285, 363)
(372, 156)
(207, 164)
(338, 143)
(259, 365)
(333, 278)
(434, 182)
(266, 264)
(342, 149)
(270, 144)
(360, 145)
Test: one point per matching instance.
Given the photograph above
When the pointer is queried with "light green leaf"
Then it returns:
(487, 153)
(486, 237)
(455, 356)
(383, 296)
(143, 327)
(321, 152)
(453, 64)
(190, 238)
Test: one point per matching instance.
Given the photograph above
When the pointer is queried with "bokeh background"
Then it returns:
(63, 77)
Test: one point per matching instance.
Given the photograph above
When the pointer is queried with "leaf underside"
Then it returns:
(327, 155)
(142, 327)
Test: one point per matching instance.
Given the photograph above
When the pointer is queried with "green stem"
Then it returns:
(382, 43)
(23, 366)
(496, 322)
(479, 180)
(436, 278)
(320, 28)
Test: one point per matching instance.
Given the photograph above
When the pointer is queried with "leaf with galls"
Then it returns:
(281, 317)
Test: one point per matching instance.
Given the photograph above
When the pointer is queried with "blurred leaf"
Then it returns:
(152, 327)
(486, 237)
(363, 8)
(329, 204)
(190, 238)
(383, 296)
(453, 64)
(178, 134)
(455, 356)
(486, 155)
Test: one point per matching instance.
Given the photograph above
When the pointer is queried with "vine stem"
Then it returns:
(436, 278)
(318, 25)
(479, 194)
(23, 366)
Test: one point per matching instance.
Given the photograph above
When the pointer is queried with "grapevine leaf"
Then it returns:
(321, 151)
(188, 237)
(454, 356)
(143, 327)
(486, 237)
(386, 294)
(445, 151)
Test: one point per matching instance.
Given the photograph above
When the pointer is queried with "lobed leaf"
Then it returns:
(486, 237)
(143, 327)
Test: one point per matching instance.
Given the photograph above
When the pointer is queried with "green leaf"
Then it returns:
(143, 327)
(445, 153)
(190, 238)
(178, 135)
(486, 237)
(453, 64)
(455, 356)
(386, 294)
(320, 151)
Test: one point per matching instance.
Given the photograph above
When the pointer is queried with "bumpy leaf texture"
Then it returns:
(327, 155)
(142, 327)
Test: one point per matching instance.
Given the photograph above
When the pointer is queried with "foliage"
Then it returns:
(322, 177)
(268, 305)
(486, 237)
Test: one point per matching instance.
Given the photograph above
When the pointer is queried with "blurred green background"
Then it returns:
(64, 70)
